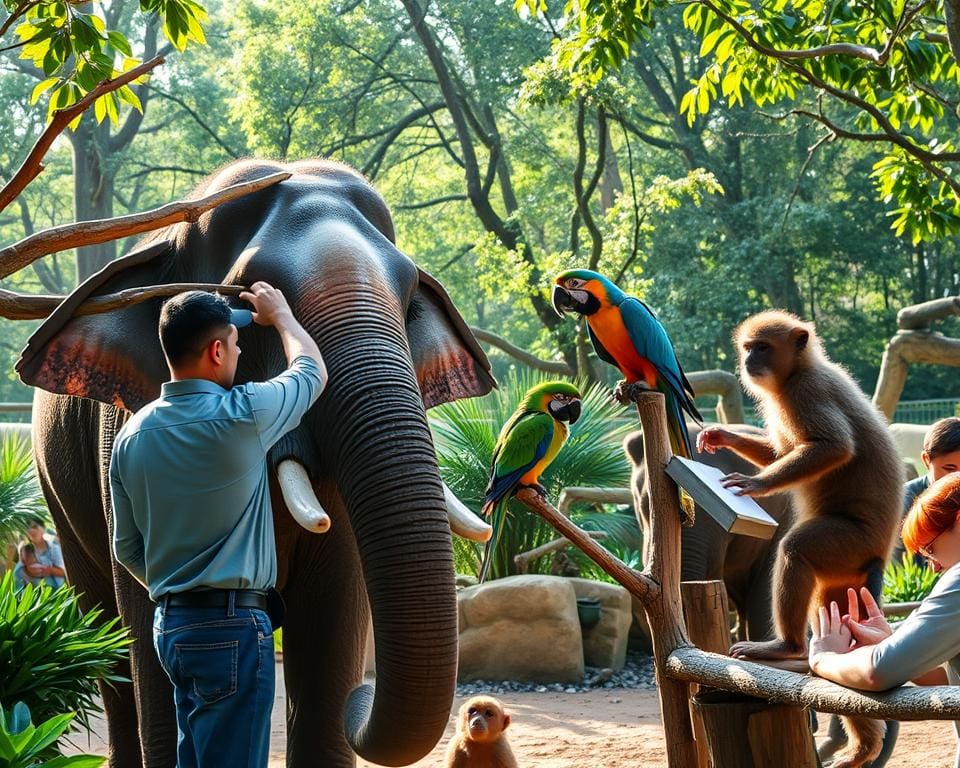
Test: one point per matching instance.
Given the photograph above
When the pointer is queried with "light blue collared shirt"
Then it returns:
(188, 479)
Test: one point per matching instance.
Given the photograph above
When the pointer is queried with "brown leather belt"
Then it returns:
(217, 598)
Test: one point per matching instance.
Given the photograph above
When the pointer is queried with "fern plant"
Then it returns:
(465, 433)
(908, 581)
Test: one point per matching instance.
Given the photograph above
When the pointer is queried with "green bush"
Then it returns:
(466, 432)
(908, 581)
(20, 497)
(23, 745)
(52, 654)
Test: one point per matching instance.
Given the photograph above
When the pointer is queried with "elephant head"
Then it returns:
(394, 346)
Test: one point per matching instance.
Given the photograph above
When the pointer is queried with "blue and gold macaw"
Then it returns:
(528, 442)
(627, 334)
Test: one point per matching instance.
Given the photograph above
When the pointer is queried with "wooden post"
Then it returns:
(665, 613)
(706, 614)
(743, 732)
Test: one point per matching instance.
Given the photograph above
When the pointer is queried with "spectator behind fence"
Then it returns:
(21, 574)
(49, 558)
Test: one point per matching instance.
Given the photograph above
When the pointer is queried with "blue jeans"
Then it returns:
(221, 664)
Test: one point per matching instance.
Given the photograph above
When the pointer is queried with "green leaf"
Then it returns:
(42, 87)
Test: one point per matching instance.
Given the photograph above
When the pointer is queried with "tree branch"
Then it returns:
(640, 585)
(372, 165)
(894, 135)
(429, 203)
(904, 703)
(17, 12)
(33, 165)
(18, 306)
(550, 366)
(20, 254)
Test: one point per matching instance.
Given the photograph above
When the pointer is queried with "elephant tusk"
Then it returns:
(462, 521)
(299, 496)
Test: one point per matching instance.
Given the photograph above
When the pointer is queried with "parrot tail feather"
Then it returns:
(498, 509)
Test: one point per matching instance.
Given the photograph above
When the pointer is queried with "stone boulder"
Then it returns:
(520, 628)
(605, 645)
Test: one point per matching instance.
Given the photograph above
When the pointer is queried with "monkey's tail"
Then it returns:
(865, 740)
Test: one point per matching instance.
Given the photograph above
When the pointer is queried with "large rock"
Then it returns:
(605, 645)
(520, 628)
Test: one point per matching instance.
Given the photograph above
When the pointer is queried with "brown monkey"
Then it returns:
(831, 449)
(480, 741)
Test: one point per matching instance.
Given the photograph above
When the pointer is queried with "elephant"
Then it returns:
(394, 346)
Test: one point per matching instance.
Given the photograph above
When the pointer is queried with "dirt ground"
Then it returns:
(613, 728)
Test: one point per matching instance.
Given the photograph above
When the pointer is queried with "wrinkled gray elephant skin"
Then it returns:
(394, 346)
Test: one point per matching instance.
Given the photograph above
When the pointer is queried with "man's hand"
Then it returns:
(712, 438)
(874, 628)
(270, 306)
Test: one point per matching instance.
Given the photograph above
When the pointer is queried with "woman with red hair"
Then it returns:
(868, 654)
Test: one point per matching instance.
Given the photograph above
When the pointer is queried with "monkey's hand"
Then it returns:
(748, 485)
(712, 438)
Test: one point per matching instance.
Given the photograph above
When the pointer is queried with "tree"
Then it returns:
(879, 72)
(82, 60)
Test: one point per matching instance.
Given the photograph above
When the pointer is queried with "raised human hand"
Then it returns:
(874, 628)
(270, 307)
(830, 633)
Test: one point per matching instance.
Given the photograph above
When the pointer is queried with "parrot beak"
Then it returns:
(562, 300)
(568, 412)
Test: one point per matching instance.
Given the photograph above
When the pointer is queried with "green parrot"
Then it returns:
(528, 442)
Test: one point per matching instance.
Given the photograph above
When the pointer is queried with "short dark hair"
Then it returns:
(943, 437)
(189, 321)
(34, 520)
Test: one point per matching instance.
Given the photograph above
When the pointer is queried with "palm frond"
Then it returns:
(20, 496)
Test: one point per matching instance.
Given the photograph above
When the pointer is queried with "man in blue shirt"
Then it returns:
(193, 521)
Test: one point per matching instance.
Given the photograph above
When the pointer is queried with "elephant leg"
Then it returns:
(152, 688)
(323, 645)
(89, 573)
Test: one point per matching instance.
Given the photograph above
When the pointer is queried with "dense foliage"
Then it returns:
(52, 654)
(506, 160)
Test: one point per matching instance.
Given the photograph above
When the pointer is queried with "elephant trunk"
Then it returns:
(387, 472)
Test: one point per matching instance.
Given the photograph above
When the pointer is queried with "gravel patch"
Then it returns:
(636, 673)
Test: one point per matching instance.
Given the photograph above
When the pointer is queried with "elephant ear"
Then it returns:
(449, 362)
(114, 357)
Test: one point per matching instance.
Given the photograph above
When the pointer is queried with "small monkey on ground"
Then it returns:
(480, 741)
(831, 449)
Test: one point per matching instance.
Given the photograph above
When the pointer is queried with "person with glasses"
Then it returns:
(864, 652)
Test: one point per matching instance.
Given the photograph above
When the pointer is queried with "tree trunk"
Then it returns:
(92, 191)
(611, 184)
